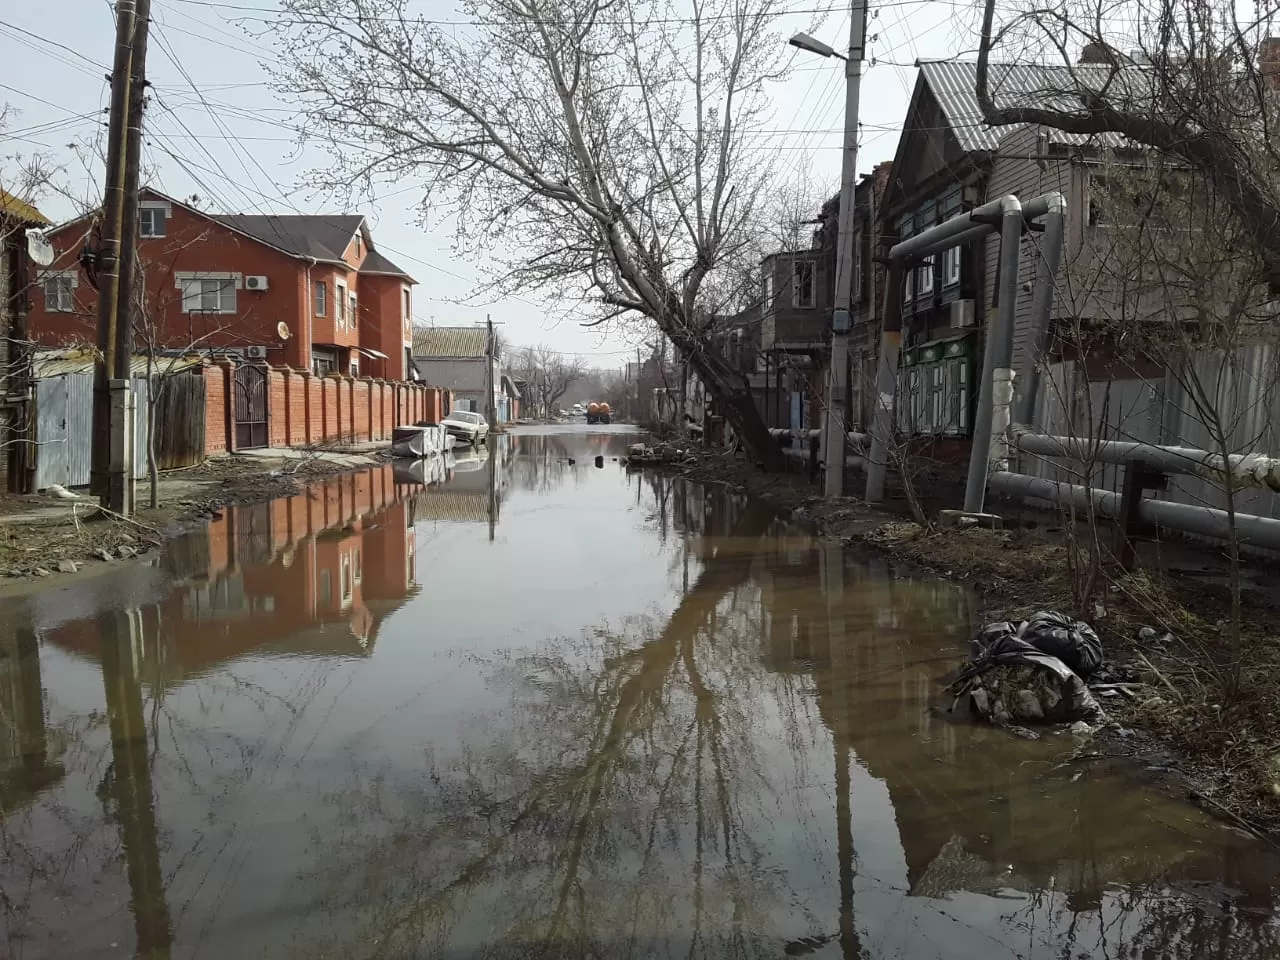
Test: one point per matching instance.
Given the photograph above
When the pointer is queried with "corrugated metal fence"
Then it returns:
(1239, 387)
(64, 430)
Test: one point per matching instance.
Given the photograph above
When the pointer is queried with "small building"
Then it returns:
(454, 358)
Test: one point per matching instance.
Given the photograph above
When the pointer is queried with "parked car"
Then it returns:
(468, 427)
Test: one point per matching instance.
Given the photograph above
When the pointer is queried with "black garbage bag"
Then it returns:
(1073, 642)
(1014, 681)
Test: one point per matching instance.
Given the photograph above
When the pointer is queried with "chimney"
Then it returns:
(1269, 60)
(1095, 52)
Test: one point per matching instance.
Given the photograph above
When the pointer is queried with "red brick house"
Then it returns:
(310, 292)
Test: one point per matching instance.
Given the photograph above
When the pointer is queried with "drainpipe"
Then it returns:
(1027, 385)
(995, 394)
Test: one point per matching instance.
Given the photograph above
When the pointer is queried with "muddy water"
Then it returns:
(535, 708)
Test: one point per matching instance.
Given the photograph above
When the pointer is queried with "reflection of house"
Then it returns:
(313, 573)
(25, 766)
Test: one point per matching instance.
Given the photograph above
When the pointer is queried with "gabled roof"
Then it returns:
(11, 206)
(953, 84)
(322, 236)
(456, 343)
(378, 265)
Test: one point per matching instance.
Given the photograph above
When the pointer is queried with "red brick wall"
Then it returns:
(298, 386)
(277, 410)
(363, 428)
(215, 410)
(329, 400)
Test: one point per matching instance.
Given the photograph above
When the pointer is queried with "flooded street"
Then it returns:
(540, 708)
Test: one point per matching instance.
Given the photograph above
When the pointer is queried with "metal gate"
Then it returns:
(251, 406)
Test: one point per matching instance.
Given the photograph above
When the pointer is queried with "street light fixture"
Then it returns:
(834, 428)
(808, 43)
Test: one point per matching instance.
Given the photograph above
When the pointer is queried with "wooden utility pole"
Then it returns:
(113, 445)
(109, 249)
(490, 413)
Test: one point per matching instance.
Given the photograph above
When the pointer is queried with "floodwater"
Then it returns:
(536, 708)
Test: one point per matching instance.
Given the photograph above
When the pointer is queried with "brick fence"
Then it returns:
(305, 409)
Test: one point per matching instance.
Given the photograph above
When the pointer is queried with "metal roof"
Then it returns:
(449, 342)
(953, 84)
(57, 363)
(18, 209)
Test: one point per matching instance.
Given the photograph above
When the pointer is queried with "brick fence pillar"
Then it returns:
(229, 391)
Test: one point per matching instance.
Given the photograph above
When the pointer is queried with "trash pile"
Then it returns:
(1032, 672)
(661, 452)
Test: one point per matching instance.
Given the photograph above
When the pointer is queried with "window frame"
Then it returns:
(951, 266)
(195, 292)
(65, 282)
(796, 298)
(319, 298)
(149, 211)
(340, 303)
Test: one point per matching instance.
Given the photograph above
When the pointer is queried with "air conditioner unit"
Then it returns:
(962, 313)
(255, 353)
(255, 283)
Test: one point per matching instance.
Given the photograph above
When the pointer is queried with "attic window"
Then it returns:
(357, 243)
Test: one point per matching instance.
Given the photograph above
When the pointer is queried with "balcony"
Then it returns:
(795, 328)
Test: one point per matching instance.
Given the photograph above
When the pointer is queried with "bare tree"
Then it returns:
(603, 152)
(548, 373)
(1196, 80)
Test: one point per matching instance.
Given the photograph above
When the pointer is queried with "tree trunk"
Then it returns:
(732, 393)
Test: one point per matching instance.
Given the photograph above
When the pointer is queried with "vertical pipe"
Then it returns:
(1027, 385)
(994, 389)
(886, 382)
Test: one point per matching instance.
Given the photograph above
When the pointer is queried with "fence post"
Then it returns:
(229, 392)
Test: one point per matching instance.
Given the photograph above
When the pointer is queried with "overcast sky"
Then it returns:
(238, 154)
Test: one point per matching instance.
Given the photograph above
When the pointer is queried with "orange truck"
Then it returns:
(598, 412)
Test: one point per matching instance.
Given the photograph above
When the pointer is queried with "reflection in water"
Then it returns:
(303, 755)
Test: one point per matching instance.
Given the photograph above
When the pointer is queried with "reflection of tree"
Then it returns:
(541, 463)
(610, 818)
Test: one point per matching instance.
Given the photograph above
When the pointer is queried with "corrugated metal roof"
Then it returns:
(453, 342)
(58, 363)
(12, 206)
(953, 84)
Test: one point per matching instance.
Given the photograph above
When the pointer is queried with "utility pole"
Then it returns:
(836, 429)
(109, 252)
(112, 455)
(490, 413)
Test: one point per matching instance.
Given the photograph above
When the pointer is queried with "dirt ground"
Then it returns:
(1205, 712)
(44, 536)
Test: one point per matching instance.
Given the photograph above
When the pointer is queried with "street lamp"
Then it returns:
(834, 428)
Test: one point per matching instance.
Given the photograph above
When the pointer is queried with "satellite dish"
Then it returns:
(282, 330)
(39, 248)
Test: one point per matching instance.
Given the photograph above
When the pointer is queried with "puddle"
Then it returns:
(542, 708)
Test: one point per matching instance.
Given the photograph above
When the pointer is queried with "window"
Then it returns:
(351, 315)
(950, 266)
(768, 285)
(857, 267)
(408, 308)
(357, 243)
(59, 292)
(905, 229)
(151, 220)
(323, 361)
(924, 277)
(320, 296)
(340, 302)
(802, 283)
(209, 295)
(355, 368)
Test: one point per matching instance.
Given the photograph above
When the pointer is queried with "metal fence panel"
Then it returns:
(79, 428)
(51, 451)
(141, 397)
(1233, 392)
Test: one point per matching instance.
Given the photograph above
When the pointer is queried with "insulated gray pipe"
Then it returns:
(1204, 521)
(966, 226)
(996, 384)
(1027, 385)
(1254, 469)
